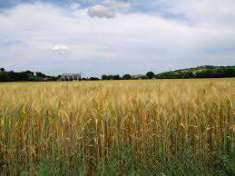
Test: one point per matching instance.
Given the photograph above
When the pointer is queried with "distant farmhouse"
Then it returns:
(139, 76)
(70, 76)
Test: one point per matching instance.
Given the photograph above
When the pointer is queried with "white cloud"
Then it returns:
(59, 47)
(75, 6)
(128, 42)
(203, 12)
(101, 11)
(108, 9)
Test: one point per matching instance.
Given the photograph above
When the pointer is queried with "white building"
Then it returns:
(71, 76)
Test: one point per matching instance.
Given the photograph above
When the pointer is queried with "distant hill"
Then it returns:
(205, 71)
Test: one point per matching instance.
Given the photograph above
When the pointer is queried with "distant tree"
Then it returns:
(116, 77)
(93, 78)
(188, 75)
(150, 75)
(230, 72)
(41, 75)
(24, 76)
(4, 76)
(126, 77)
(28, 72)
(110, 77)
(104, 77)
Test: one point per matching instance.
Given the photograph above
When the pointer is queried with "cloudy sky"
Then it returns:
(115, 36)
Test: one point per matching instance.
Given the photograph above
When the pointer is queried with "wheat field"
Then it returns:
(157, 127)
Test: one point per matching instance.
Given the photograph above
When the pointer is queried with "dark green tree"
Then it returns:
(116, 77)
(126, 77)
(4, 76)
(104, 77)
(93, 78)
(41, 75)
(150, 75)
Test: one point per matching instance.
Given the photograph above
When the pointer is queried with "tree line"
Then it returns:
(198, 72)
(8, 76)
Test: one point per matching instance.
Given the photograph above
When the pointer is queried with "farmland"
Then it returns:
(146, 127)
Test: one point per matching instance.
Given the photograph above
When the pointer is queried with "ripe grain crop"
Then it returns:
(157, 127)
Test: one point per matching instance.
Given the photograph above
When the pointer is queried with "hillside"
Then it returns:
(206, 71)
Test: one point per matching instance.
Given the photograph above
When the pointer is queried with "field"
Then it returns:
(157, 127)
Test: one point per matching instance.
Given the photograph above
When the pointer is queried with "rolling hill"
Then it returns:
(205, 71)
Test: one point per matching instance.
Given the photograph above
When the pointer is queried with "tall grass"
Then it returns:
(163, 127)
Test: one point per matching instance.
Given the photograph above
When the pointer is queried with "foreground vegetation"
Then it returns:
(162, 127)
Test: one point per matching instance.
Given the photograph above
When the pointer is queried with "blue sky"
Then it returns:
(113, 36)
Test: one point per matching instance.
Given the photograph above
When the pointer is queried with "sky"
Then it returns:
(96, 37)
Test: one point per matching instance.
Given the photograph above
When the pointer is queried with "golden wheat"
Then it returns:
(93, 122)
